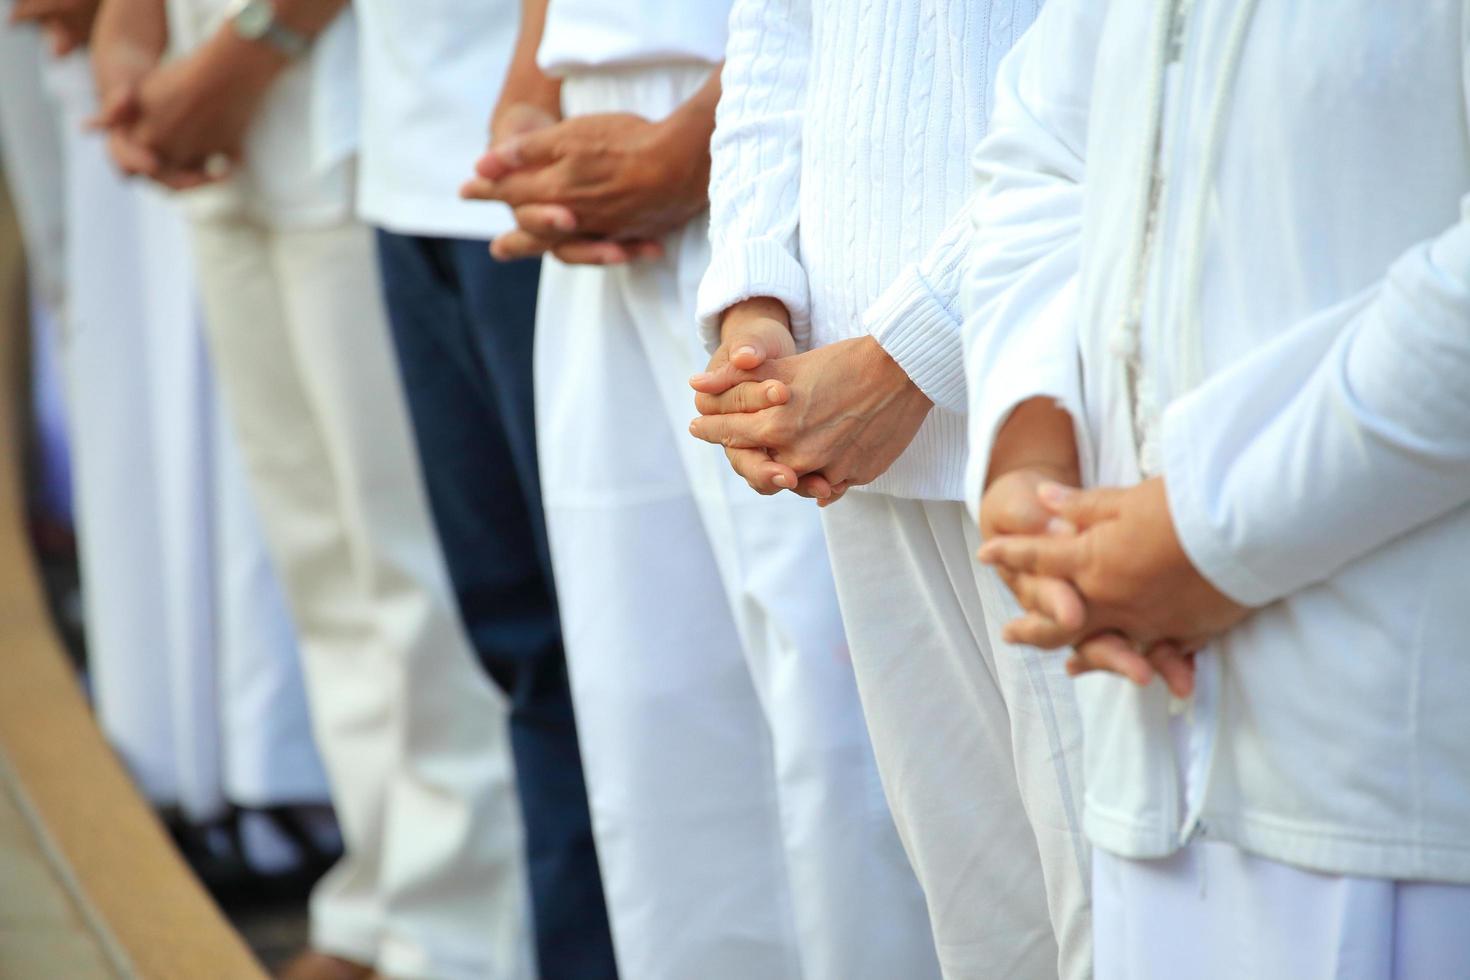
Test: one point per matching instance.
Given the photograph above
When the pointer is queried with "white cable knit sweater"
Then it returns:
(841, 172)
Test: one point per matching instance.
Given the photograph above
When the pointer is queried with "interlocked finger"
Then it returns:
(765, 475)
(748, 396)
(1114, 653)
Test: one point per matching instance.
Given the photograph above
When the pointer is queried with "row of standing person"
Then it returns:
(959, 260)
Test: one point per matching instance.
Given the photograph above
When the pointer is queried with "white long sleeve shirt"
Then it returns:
(1274, 234)
(839, 183)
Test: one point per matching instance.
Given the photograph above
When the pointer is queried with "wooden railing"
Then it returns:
(136, 895)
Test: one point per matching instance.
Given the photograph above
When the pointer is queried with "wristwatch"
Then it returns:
(255, 20)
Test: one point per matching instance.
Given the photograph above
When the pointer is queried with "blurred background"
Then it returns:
(196, 682)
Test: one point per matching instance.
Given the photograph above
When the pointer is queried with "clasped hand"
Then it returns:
(594, 190)
(184, 123)
(1102, 571)
(814, 423)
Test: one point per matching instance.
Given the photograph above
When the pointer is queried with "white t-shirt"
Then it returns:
(431, 72)
(298, 168)
(584, 34)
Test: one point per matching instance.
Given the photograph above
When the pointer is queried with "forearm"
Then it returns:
(685, 134)
(261, 63)
(525, 82)
(308, 17)
(1039, 436)
(128, 40)
(1348, 432)
(696, 117)
(254, 65)
(755, 308)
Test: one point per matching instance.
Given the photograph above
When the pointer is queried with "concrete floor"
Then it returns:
(46, 927)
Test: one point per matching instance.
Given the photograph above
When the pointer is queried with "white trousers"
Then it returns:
(412, 732)
(193, 665)
(978, 741)
(1214, 912)
(739, 819)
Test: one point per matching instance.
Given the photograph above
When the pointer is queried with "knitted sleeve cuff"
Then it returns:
(923, 335)
(755, 268)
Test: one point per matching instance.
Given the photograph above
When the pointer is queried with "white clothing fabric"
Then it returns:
(185, 622)
(1292, 300)
(839, 186)
(595, 34)
(430, 73)
(298, 170)
(978, 741)
(839, 181)
(412, 732)
(740, 824)
(30, 146)
(34, 169)
(1213, 912)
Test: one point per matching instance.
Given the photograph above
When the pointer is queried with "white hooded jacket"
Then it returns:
(1233, 238)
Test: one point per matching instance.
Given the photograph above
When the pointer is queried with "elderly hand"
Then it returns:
(66, 23)
(1120, 549)
(843, 412)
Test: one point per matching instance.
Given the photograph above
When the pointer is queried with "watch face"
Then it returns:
(254, 19)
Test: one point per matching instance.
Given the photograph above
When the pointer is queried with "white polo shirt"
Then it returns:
(431, 72)
(583, 34)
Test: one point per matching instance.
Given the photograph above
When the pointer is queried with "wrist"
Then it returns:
(513, 116)
(527, 89)
(742, 313)
(683, 136)
(679, 144)
(121, 63)
(245, 61)
(306, 18)
(1038, 435)
(1045, 470)
(885, 373)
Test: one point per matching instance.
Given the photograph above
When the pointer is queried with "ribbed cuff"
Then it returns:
(1208, 546)
(923, 335)
(756, 268)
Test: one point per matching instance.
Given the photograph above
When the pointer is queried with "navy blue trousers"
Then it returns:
(463, 326)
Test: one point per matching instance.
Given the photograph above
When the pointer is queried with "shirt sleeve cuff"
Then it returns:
(1039, 362)
(1204, 539)
(923, 335)
(757, 268)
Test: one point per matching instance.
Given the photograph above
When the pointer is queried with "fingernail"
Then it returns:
(1058, 527)
(773, 392)
(565, 222)
(700, 378)
(1055, 493)
(745, 350)
(782, 480)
